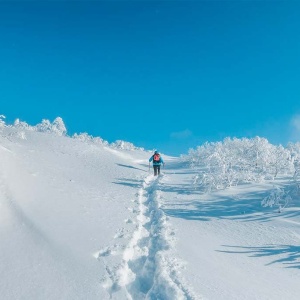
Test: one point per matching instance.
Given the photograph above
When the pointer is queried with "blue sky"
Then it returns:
(168, 75)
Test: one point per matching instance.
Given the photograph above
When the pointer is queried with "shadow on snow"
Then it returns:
(289, 254)
(131, 167)
(244, 206)
(134, 183)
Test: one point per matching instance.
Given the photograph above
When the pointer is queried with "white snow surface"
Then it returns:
(85, 221)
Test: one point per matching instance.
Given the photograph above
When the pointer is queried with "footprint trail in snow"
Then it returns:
(148, 269)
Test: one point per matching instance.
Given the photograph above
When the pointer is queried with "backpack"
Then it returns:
(156, 157)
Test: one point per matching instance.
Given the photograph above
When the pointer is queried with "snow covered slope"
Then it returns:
(233, 248)
(85, 221)
(62, 201)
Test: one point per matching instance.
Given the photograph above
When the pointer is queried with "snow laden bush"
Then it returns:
(84, 137)
(223, 164)
(12, 130)
(58, 127)
(124, 145)
(2, 122)
(277, 198)
(294, 149)
(295, 157)
(22, 125)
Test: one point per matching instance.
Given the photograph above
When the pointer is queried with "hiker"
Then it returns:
(157, 162)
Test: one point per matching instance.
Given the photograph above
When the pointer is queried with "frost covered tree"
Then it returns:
(281, 161)
(58, 127)
(294, 149)
(84, 137)
(278, 197)
(2, 122)
(223, 164)
(44, 126)
(21, 125)
(124, 145)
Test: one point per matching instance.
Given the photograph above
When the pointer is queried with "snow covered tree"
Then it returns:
(124, 145)
(233, 161)
(44, 126)
(58, 127)
(277, 198)
(2, 122)
(84, 137)
(20, 124)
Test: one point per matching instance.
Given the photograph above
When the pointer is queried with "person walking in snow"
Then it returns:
(157, 162)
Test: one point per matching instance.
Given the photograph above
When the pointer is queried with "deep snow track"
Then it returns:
(149, 270)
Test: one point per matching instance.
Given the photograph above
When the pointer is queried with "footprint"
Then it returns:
(133, 210)
(120, 233)
(111, 250)
(128, 221)
(104, 252)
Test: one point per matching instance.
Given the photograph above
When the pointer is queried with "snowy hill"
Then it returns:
(86, 220)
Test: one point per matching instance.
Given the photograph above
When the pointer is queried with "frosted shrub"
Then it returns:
(277, 198)
(2, 122)
(100, 141)
(280, 161)
(294, 150)
(44, 126)
(124, 145)
(84, 137)
(58, 127)
(233, 161)
(22, 125)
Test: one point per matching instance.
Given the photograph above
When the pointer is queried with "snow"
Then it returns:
(83, 220)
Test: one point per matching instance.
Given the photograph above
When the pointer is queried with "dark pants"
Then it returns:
(156, 170)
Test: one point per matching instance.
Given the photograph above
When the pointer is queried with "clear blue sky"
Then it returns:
(167, 75)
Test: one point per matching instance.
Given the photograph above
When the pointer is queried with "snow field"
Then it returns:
(79, 220)
(233, 248)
